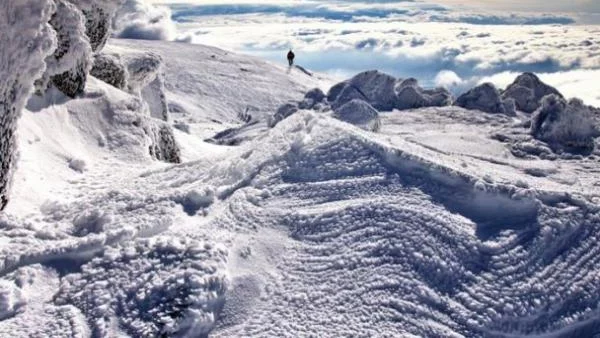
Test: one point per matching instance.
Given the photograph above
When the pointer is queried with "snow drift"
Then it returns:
(27, 40)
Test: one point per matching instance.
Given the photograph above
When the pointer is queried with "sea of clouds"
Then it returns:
(439, 44)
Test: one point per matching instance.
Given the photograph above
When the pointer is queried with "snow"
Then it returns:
(444, 222)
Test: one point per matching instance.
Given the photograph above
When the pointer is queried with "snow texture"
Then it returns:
(528, 90)
(486, 97)
(359, 113)
(27, 40)
(431, 227)
(568, 124)
(163, 286)
(110, 69)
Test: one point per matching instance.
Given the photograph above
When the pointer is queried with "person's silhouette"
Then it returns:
(290, 57)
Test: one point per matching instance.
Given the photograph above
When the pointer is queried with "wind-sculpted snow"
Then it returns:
(26, 41)
(386, 243)
(434, 226)
(163, 286)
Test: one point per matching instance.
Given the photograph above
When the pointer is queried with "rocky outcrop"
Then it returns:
(487, 98)
(283, 112)
(528, 90)
(110, 69)
(409, 95)
(568, 125)
(26, 41)
(312, 98)
(359, 113)
(374, 87)
(386, 93)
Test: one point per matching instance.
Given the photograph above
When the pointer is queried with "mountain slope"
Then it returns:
(430, 227)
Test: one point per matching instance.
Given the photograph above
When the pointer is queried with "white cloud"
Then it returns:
(139, 20)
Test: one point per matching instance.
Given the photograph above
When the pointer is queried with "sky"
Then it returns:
(451, 43)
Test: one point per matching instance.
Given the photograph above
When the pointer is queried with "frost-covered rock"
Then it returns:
(567, 124)
(164, 147)
(486, 98)
(99, 15)
(335, 91)
(409, 95)
(149, 288)
(110, 69)
(359, 113)
(283, 112)
(372, 86)
(146, 80)
(26, 40)
(528, 90)
(312, 98)
(68, 67)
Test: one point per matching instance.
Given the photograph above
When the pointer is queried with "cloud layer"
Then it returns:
(139, 20)
(437, 43)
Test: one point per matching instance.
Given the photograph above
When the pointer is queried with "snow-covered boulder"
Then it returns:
(566, 124)
(528, 90)
(486, 98)
(26, 40)
(312, 97)
(359, 113)
(409, 95)
(283, 112)
(110, 69)
(372, 86)
(335, 91)
(146, 80)
(347, 94)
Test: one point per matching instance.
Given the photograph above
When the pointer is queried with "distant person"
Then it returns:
(290, 57)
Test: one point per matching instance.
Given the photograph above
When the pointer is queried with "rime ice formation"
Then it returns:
(487, 98)
(569, 124)
(68, 67)
(26, 41)
(528, 90)
(110, 69)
